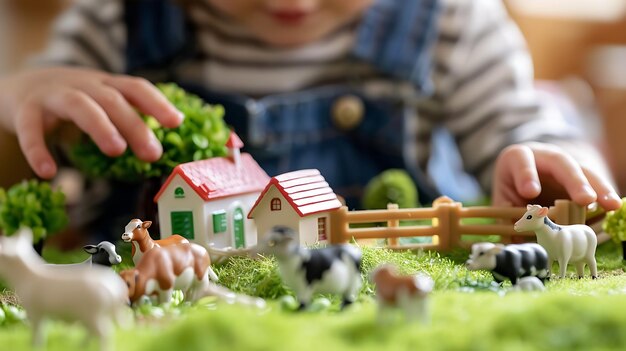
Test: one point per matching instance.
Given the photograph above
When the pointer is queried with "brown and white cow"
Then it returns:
(162, 270)
(136, 232)
(408, 293)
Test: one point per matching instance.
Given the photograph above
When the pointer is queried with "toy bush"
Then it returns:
(35, 205)
(615, 225)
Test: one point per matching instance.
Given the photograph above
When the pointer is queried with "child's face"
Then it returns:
(292, 22)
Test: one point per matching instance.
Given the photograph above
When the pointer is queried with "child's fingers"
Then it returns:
(567, 172)
(147, 98)
(77, 106)
(30, 134)
(519, 162)
(141, 140)
(607, 197)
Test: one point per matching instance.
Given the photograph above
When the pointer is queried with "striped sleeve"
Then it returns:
(485, 88)
(91, 33)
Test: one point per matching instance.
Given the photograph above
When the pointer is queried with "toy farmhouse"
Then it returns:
(300, 200)
(207, 201)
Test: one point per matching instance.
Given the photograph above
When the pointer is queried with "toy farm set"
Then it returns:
(243, 260)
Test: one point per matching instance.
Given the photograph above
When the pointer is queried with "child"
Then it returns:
(350, 87)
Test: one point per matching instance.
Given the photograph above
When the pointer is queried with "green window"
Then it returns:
(219, 221)
(179, 193)
(239, 230)
(182, 224)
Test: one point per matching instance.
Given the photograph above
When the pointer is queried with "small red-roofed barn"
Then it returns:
(206, 201)
(300, 200)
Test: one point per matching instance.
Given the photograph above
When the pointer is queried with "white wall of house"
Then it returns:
(309, 234)
(265, 218)
(229, 204)
(203, 214)
(168, 203)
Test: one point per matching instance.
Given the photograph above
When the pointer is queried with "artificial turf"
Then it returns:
(468, 312)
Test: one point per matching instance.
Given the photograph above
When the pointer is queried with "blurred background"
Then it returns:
(577, 45)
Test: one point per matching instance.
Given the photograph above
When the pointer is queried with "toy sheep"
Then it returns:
(94, 296)
(334, 269)
(564, 243)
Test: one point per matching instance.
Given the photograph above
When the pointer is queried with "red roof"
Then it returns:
(233, 141)
(306, 191)
(219, 177)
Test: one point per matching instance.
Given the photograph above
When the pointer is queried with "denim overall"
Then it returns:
(291, 131)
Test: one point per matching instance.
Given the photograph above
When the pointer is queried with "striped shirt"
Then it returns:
(482, 75)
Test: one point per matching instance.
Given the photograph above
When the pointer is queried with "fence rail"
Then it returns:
(446, 228)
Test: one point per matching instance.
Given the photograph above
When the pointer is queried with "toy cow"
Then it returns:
(103, 254)
(93, 296)
(564, 243)
(408, 293)
(334, 269)
(162, 270)
(510, 261)
(136, 232)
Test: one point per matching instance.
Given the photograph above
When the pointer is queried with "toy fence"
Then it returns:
(446, 228)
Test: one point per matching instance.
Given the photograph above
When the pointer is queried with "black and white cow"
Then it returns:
(104, 254)
(510, 261)
(333, 270)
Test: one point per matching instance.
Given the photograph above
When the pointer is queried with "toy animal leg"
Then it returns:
(550, 263)
(580, 268)
(385, 313)
(212, 275)
(563, 267)
(39, 335)
(305, 298)
(353, 290)
(165, 296)
(593, 267)
(102, 327)
(418, 309)
(198, 289)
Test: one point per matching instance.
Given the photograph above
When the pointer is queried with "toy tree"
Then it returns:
(615, 225)
(34, 205)
(391, 186)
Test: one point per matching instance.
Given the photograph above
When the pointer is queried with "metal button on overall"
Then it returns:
(347, 112)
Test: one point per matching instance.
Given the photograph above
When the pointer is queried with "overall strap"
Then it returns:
(158, 35)
(396, 36)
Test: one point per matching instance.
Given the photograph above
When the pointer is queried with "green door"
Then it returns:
(240, 235)
(182, 224)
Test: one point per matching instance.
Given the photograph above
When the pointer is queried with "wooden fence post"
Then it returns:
(577, 213)
(339, 226)
(392, 223)
(442, 221)
(559, 213)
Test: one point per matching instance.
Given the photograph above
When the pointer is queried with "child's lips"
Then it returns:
(289, 17)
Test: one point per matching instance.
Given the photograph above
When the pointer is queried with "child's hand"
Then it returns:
(100, 104)
(542, 173)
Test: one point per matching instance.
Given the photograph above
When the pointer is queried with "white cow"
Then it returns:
(330, 270)
(564, 243)
(93, 296)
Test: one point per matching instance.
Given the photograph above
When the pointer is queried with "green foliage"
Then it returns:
(203, 134)
(391, 186)
(615, 223)
(34, 205)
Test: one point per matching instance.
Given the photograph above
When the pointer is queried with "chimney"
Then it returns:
(234, 145)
